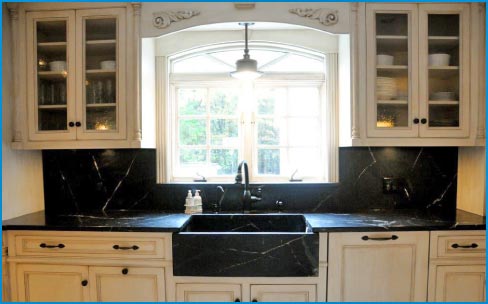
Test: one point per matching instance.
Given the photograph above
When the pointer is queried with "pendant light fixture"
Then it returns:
(246, 68)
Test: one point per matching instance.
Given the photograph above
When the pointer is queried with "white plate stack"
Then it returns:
(385, 88)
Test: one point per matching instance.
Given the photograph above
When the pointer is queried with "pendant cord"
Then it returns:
(246, 50)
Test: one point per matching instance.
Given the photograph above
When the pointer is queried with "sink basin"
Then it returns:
(246, 245)
(247, 223)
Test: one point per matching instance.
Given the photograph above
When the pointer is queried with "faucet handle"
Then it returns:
(238, 178)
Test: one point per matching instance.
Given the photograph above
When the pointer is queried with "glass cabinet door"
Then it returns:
(50, 76)
(102, 105)
(445, 64)
(390, 48)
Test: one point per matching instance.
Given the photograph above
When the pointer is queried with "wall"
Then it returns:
(22, 186)
(472, 180)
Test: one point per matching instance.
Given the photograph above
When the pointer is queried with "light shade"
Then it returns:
(246, 68)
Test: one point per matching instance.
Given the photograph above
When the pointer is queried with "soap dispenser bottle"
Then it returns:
(189, 203)
(197, 201)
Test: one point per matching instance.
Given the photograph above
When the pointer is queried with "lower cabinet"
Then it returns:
(126, 284)
(208, 292)
(371, 267)
(67, 283)
(457, 271)
(219, 292)
(52, 283)
(283, 293)
(458, 283)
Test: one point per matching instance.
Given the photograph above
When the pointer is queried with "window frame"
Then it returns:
(247, 142)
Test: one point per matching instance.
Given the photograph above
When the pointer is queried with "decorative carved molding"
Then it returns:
(136, 6)
(164, 19)
(323, 15)
(481, 133)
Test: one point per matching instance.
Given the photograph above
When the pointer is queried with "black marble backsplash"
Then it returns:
(98, 181)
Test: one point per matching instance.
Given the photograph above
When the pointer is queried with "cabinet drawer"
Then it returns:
(133, 245)
(447, 244)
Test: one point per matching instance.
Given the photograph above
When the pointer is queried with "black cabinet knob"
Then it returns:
(423, 121)
(125, 271)
(84, 283)
(416, 121)
(237, 300)
(254, 300)
(78, 124)
(71, 124)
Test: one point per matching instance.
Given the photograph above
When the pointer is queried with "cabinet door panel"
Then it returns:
(52, 283)
(372, 269)
(452, 283)
(208, 292)
(101, 63)
(127, 284)
(283, 293)
(391, 70)
(51, 75)
(444, 73)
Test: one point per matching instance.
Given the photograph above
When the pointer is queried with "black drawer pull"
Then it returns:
(44, 245)
(474, 245)
(125, 271)
(255, 300)
(237, 300)
(117, 247)
(367, 238)
(84, 283)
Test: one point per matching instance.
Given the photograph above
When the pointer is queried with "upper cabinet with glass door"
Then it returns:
(77, 81)
(392, 51)
(102, 112)
(418, 72)
(51, 60)
(444, 74)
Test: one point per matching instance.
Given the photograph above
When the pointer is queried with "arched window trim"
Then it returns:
(173, 79)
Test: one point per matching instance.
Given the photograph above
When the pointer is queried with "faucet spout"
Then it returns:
(246, 196)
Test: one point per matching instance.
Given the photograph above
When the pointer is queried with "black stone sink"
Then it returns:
(246, 245)
(247, 223)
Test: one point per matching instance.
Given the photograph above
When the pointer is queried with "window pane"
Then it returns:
(307, 161)
(269, 161)
(224, 160)
(224, 132)
(191, 101)
(193, 132)
(193, 156)
(224, 101)
(304, 101)
(268, 132)
(296, 63)
(271, 101)
(200, 64)
(304, 132)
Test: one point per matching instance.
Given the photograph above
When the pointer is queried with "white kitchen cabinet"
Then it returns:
(457, 271)
(52, 283)
(414, 96)
(78, 92)
(284, 293)
(374, 266)
(127, 284)
(88, 266)
(458, 283)
(409, 99)
(211, 292)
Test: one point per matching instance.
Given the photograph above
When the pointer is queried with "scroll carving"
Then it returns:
(164, 19)
(323, 15)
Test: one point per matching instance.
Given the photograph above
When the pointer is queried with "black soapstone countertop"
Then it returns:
(130, 221)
